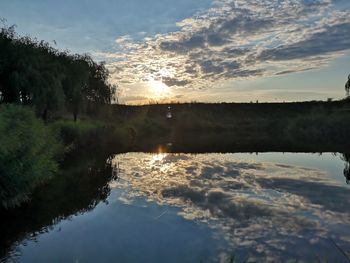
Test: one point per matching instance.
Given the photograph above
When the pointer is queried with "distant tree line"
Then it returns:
(34, 73)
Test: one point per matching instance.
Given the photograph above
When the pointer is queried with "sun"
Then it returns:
(158, 88)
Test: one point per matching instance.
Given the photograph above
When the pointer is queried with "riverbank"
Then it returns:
(194, 127)
(304, 126)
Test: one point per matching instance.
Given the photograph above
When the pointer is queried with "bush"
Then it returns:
(91, 135)
(74, 133)
(29, 152)
(322, 126)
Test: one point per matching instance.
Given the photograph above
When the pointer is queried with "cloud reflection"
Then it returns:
(263, 210)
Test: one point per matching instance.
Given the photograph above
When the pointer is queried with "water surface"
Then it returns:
(205, 208)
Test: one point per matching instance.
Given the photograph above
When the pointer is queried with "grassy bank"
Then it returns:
(306, 126)
(306, 123)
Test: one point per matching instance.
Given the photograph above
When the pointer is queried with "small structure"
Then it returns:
(169, 114)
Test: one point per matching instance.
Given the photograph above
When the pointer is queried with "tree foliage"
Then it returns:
(34, 73)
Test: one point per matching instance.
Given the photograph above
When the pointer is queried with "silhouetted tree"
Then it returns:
(75, 84)
(347, 87)
(34, 73)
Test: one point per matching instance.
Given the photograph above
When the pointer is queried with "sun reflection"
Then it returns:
(159, 157)
(158, 161)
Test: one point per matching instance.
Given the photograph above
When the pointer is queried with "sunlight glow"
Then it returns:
(159, 162)
(158, 88)
(158, 157)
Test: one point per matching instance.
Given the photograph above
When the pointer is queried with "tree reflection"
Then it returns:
(81, 185)
(346, 158)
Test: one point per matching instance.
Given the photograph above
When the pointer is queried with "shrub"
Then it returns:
(29, 151)
(91, 135)
(74, 133)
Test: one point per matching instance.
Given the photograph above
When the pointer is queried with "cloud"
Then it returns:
(174, 82)
(263, 210)
(235, 40)
(338, 202)
(332, 39)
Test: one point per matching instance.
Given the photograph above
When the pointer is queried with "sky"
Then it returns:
(201, 50)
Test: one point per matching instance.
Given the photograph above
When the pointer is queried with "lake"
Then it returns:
(178, 207)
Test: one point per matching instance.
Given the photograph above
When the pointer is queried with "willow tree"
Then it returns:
(29, 74)
(33, 73)
(75, 83)
(86, 84)
(99, 91)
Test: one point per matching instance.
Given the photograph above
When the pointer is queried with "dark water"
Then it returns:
(144, 207)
